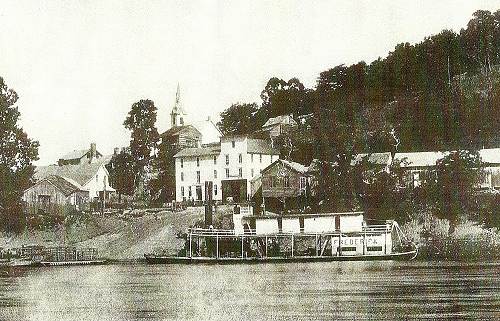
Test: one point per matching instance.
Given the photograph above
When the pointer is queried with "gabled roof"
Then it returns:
(373, 158)
(419, 159)
(63, 184)
(80, 173)
(209, 131)
(295, 166)
(490, 155)
(260, 146)
(283, 119)
(212, 149)
(176, 130)
(77, 154)
(292, 165)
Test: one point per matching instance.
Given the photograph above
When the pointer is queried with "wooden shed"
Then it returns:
(55, 195)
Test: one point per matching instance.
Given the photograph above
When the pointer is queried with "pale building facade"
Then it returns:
(229, 165)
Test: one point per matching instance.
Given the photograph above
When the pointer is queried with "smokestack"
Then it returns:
(92, 152)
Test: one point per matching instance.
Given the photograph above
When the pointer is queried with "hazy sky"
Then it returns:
(79, 65)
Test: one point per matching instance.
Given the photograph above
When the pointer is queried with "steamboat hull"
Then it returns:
(153, 259)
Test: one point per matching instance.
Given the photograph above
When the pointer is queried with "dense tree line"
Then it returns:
(442, 93)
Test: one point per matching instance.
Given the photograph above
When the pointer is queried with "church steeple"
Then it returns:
(177, 116)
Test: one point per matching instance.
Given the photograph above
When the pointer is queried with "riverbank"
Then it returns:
(469, 241)
(118, 236)
(128, 236)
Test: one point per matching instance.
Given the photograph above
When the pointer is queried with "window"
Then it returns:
(301, 224)
(198, 178)
(197, 162)
(215, 173)
(240, 158)
(190, 192)
(215, 189)
(286, 181)
(251, 158)
(182, 191)
(227, 159)
(182, 163)
(233, 143)
(240, 172)
(44, 201)
(182, 177)
(270, 159)
(215, 159)
(374, 248)
(227, 172)
(302, 183)
(280, 224)
(251, 171)
(260, 158)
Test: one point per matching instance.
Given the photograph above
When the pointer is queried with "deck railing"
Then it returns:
(370, 229)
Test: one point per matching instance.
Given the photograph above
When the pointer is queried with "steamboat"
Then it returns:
(294, 238)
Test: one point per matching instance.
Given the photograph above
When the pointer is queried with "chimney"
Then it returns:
(92, 152)
(116, 151)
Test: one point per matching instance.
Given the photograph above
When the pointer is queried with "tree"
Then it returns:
(239, 119)
(162, 186)
(17, 152)
(335, 186)
(144, 137)
(453, 189)
(121, 173)
(379, 189)
(280, 97)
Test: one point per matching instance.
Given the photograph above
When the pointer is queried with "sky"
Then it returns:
(78, 66)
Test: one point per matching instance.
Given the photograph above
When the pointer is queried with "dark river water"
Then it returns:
(295, 291)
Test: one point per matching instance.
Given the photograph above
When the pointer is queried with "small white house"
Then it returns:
(93, 177)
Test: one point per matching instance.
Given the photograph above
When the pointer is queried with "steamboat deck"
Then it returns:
(371, 242)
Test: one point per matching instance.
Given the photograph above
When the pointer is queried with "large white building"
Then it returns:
(229, 165)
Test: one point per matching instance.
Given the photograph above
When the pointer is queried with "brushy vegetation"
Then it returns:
(470, 241)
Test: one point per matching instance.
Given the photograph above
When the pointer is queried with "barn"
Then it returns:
(55, 195)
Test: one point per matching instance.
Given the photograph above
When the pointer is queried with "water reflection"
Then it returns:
(295, 291)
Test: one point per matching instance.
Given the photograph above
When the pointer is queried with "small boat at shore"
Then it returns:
(293, 238)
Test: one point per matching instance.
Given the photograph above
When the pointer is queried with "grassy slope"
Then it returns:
(118, 238)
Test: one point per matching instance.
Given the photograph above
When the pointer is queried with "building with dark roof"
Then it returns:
(80, 156)
(180, 137)
(279, 125)
(56, 195)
